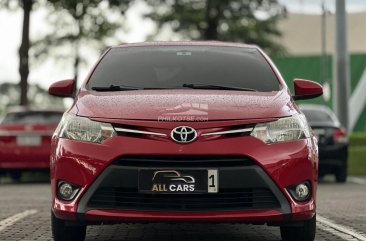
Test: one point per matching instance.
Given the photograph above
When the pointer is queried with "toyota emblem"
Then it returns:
(183, 134)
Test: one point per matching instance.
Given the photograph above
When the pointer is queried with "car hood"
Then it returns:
(184, 105)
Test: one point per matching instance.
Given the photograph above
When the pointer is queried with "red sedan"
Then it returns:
(184, 132)
(25, 140)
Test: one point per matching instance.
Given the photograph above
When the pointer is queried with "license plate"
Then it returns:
(178, 181)
(28, 140)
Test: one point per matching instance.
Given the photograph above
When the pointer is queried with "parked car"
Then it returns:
(184, 132)
(25, 140)
(332, 141)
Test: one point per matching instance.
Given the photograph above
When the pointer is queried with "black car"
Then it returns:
(332, 141)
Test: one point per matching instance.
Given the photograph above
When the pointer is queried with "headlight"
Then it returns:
(83, 129)
(285, 129)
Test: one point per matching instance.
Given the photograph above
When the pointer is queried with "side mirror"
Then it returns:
(63, 88)
(306, 89)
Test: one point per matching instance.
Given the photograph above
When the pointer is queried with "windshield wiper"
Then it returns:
(215, 87)
(114, 88)
(192, 86)
(125, 87)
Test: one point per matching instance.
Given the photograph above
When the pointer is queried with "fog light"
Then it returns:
(300, 192)
(67, 191)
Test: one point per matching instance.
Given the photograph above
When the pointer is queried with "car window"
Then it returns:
(173, 66)
(317, 116)
(32, 117)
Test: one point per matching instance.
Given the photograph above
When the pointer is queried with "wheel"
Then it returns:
(341, 175)
(303, 233)
(62, 232)
(16, 176)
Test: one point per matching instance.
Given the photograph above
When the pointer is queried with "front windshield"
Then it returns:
(173, 66)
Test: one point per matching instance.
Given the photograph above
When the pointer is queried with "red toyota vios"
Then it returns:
(25, 140)
(184, 132)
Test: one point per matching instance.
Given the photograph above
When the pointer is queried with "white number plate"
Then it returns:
(212, 182)
(28, 140)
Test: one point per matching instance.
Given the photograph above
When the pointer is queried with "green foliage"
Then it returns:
(9, 4)
(38, 97)
(357, 161)
(76, 24)
(358, 139)
(16, 4)
(13, 4)
(249, 21)
(357, 154)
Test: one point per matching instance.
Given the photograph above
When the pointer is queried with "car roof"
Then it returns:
(187, 43)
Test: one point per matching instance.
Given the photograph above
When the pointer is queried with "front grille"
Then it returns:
(235, 199)
(243, 185)
(184, 161)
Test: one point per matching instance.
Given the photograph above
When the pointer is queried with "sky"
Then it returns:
(45, 73)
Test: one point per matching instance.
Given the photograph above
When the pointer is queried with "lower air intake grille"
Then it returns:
(131, 199)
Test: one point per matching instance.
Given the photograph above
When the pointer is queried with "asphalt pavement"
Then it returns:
(25, 215)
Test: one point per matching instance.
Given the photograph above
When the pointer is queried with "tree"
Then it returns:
(77, 24)
(250, 21)
(26, 5)
(23, 52)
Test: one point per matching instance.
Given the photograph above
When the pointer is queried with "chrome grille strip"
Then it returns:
(229, 132)
(139, 132)
(204, 134)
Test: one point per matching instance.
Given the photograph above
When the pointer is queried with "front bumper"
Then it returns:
(275, 166)
(112, 216)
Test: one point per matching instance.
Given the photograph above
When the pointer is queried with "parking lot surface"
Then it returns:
(25, 215)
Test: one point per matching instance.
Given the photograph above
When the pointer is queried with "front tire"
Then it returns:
(62, 232)
(341, 175)
(303, 233)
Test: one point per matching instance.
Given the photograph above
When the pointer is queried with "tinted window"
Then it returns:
(317, 116)
(33, 117)
(172, 66)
